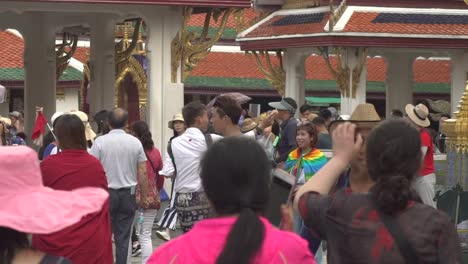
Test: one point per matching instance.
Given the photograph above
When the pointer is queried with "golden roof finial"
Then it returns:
(140, 48)
(126, 41)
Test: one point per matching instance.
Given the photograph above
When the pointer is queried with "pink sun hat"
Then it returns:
(26, 205)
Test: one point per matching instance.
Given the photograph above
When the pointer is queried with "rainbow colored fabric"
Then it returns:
(310, 163)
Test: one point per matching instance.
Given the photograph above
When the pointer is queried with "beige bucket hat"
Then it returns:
(419, 114)
(177, 117)
(364, 116)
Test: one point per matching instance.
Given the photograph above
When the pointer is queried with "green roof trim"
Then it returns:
(310, 85)
(228, 33)
(323, 101)
(71, 74)
(17, 74)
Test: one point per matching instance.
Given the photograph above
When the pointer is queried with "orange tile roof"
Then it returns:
(269, 29)
(198, 20)
(363, 22)
(240, 65)
(82, 54)
(11, 50)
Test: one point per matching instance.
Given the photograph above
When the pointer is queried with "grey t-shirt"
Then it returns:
(119, 154)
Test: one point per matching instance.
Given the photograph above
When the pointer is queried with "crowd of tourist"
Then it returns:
(82, 192)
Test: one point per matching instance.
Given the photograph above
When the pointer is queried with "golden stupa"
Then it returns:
(456, 130)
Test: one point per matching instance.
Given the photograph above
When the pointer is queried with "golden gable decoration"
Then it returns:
(296, 4)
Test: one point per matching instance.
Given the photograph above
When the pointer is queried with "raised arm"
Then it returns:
(345, 146)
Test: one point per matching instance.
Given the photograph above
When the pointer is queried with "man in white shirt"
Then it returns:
(188, 149)
(124, 162)
(226, 114)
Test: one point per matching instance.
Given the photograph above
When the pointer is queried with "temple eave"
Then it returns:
(195, 3)
(378, 42)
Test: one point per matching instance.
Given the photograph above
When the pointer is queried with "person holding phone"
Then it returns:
(285, 109)
(386, 224)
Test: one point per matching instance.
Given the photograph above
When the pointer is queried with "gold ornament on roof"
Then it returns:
(274, 74)
(335, 14)
(239, 20)
(297, 4)
(127, 65)
(188, 49)
(64, 52)
(342, 74)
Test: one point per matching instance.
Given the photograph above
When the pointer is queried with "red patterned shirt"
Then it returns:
(355, 234)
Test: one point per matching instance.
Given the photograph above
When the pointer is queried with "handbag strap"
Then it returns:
(152, 167)
(406, 249)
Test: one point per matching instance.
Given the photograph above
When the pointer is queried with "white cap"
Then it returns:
(55, 116)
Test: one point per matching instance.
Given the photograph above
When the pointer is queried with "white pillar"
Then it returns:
(399, 81)
(459, 77)
(165, 98)
(102, 64)
(294, 66)
(39, 65)
(352, 60)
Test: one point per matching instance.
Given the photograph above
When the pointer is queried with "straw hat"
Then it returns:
(418, 114)
(248, 124)
(89, 132)
(26, 205)
(312, 116)
(177, 117)
(364, 116)
(5, 120)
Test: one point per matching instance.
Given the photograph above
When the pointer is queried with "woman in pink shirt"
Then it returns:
(235, 173)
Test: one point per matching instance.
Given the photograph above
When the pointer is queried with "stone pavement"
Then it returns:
(156, 243)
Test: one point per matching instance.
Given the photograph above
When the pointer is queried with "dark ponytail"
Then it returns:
(244, 240)
(393, 160)
(235, 173)
(391, 194)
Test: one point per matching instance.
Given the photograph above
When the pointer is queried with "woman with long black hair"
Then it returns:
(148, 208)
(385, 225)
(235, 173)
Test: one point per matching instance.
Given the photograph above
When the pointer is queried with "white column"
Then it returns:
(459, 77)
(352, 60)
(39, 65)
(102, 63)
(165, 98)
(294, 66)
(399, 81)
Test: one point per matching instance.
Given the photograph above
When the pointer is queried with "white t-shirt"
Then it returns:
(188, 149)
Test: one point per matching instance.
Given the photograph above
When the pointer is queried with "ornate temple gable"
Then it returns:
(359, 26)
(201, 3)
